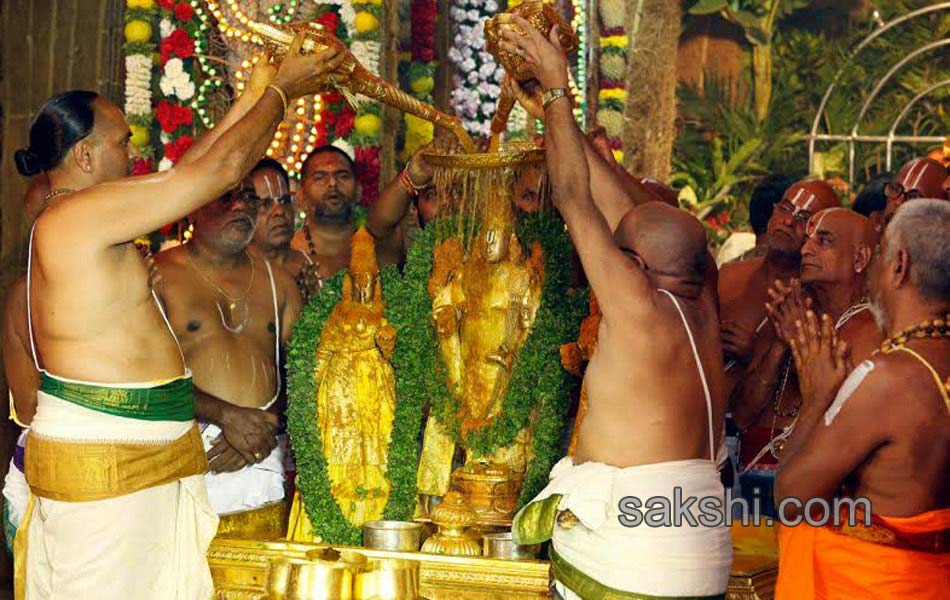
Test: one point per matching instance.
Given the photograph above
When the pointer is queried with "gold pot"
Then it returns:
(402, 536)
(388, 579)
(319, 580)
(491, 490)
(542, 17)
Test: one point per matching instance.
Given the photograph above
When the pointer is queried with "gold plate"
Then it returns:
(510, 155)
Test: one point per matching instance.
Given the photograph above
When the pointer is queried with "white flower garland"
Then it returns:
(138, 85)
(476, 90)
(176, 81)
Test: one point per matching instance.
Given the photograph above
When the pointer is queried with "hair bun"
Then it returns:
(27, 162)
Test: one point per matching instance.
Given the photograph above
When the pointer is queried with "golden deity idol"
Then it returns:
(483, 307)
(356, 397)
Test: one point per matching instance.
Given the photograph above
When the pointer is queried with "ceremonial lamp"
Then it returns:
(353, 78)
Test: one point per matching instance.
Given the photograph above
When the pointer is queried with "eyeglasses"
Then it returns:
(269, 201)
(787, 208)
(246, 195)
(895, 190)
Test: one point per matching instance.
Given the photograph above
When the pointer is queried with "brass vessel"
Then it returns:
(453, 517)
(388, 579)
(491, 490)
(351, 77)
(542, 17)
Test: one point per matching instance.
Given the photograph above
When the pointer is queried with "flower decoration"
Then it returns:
(176, 149)
(477, 77)
(179, 44)
(142, 166)
(612, 98)
(184, 11)
(176, 81)
(172, 116)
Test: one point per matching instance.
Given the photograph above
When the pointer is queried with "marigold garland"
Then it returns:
(613, 67)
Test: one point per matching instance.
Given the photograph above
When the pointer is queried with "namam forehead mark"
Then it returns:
(821, 225)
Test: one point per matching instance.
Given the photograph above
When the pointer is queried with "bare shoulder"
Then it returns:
(737, 271)
(893, 386)
(172, 257)
(862, 335)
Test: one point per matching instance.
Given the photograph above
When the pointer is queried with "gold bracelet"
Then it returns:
(281, 93)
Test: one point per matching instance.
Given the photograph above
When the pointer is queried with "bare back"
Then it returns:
(647, 401)
(236, 366)
(93, 314)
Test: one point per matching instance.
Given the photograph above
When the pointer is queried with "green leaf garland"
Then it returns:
(539, 388)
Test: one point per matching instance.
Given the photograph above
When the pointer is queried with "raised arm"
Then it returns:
(262, 76)
(615, 279)
(616, 191)
(115, 212)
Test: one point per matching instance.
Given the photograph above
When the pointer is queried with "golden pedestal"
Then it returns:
(241, 570)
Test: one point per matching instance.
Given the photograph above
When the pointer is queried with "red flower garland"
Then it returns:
(179, 44)
(184, 11)
(367, 172)
(171, 116)
(423, 14)
(176, 149)
(142, 166)
(167, 4)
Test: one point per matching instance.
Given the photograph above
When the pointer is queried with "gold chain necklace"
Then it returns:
(232, 300)
(55, 193)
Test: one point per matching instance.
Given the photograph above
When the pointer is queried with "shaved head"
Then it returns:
(802, 200)
(925, 176)
(838, 247)
(668, 241)
(920, 178)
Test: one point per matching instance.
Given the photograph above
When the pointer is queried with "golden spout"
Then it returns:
(351, 77)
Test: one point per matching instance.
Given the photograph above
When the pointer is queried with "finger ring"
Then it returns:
(258, 455)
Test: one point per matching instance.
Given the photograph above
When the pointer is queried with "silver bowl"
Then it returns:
(501, 545)
(404, 536)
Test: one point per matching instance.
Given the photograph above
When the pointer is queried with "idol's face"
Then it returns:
(364, 286)
(496, 245)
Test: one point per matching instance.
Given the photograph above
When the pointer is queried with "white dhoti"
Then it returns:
(16, 492)
(149, 544)
(252, 487)
(597, 556)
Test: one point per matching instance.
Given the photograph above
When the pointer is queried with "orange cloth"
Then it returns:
(823, 564)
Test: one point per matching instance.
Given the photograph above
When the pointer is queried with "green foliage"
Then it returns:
(723, 148)
(539, 388)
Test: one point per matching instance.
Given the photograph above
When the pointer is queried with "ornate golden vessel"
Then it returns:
(491, 490)
(351, 77)
(453, 517)
(542, 17)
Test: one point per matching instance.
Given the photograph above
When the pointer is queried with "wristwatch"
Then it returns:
(551, 95)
